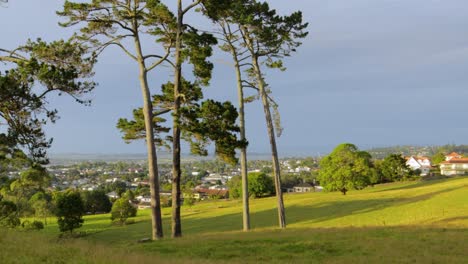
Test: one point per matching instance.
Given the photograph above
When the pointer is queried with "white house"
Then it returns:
(419, 163)
(454, 164)
(303, 187)
(143, 199)
(112, 195)
(302, 169)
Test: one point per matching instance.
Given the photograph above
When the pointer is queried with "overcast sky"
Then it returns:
(371, 72)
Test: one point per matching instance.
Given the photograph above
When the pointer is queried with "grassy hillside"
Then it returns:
(402, 222)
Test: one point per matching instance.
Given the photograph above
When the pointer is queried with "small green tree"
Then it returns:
(42, 204)
(8, 214)
(290, 180)
(394, 168)
(260, 185)
(189, 199)
(346, 168)
(234, 185)
(438, 158)
(69, 211)
(96, 201)
(122, 209)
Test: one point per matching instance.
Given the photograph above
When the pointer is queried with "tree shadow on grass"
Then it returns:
(416, 184)
(232, 222)
(453, 219)
(317, 245)
(313, 213)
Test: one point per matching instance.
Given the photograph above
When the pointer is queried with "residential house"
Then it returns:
(303, 187)
(216, 178)
(143, 199)
(419, 163)
(218, 187)
(112, 195)
(454, 166)
(302, 169)
(203, 194)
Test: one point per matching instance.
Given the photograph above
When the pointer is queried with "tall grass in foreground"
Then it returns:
(32, 247)
(332, 245)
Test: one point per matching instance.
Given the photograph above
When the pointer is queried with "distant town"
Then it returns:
(204, 179)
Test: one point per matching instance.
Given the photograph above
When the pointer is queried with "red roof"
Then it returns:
(456, 161)
(213, 192)
(453, 154)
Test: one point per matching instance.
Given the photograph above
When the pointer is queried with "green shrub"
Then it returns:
(34, 225)
(8, 214)
(121, 210)
(166, 201)
(260, 185)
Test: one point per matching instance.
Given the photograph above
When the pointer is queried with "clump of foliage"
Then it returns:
(438, 158)
(346, 168)
(394, 168)
(34, 71)
(34, 225)
(189, 196)
(96, 201)
(69, 211)
(8, 214)
(166, 201)
(121, 210)
(260, 185)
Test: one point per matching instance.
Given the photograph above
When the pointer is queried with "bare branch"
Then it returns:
(245, 64)
(11, 59)
(191, 6)
(161, 58)
(12, 53)
(101, 48)
(248, 84)
(162, 112)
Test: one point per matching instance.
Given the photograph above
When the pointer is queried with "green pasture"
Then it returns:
(422, 222)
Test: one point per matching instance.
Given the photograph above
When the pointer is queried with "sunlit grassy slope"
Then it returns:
(402, 222)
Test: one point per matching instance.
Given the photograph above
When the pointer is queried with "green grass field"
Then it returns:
(410, 222)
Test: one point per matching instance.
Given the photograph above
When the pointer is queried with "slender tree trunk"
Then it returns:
(176, 171)
(271, 135)
(156, 221)
(243, 150)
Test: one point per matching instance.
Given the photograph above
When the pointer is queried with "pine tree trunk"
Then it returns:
(271, 135)
(243, 151)
(176, 171)
(156, 221)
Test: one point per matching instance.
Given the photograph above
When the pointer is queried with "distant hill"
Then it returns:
(408, 150)
(163, 157)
